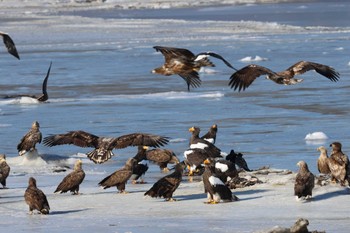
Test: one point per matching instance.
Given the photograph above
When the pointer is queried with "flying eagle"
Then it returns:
(244, 77)
(41, 98)
(10, 45)
(72, 181)
(35, 198)
(322, 161)
(210, 136)
(4, 170)
(104, 145)
(166, 186)
(214, 187)
(29, 140)
(185, 64)
(338, 164)
(120, 177)
(304, 182)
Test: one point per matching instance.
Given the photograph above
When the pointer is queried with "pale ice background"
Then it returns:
(101, 82)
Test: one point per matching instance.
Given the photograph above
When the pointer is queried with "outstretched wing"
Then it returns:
(139, 139)
(206, 54)
(79, 138)
(179, 53)
(246, 76)
(192, 79)
(45, 96)
(304, 66)
(10, 45)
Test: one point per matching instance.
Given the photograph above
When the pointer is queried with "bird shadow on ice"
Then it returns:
(190, 197)
(58, 212)
(329, 195)
(248, 192)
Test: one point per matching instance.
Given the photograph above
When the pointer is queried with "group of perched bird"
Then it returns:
(217, 169)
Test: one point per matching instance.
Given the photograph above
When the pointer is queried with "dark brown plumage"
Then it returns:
(162, 157)
(194, 159)
(10, 45)
(138, 171)
(238, 160)
(30, 139)
(120, 177)
(338, 163)
(304, 182)
(104, 145)
(35, 198)
(166, 186)
(72, 181)
(185, 64)
(4, 170)
(197, 143)
(244, 77)
(210, 136)
(214, 187)
(322, 161)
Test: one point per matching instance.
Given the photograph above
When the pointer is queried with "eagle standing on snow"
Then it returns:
(104, 145)
(119, 177)
(185, 64)
(339, 164)
(323, 160)
(161, 157)
(244, 77)
(35, 198)
(29, 140)
(10, 45)
(304, 182)
(72, 181)
(166, 186)
(4, 170)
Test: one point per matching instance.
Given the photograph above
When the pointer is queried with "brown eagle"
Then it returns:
(185, 64)
(322, 161)
(41, 98)
(120, 177)
(338, 163)
(304, 182)
(4, 170)
(210, 136)
(72, 181)
(162, 157)
(166, 186)
(104, 145)
(30, 139)
(10, 45)
(244, 77)
(35, 198)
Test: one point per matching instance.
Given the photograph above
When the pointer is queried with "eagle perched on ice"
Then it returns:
(30, 139)
(4, 170)
(104, 145)
(35, 198)
(72, 181)
(338, 164)
(304, 182)
(9, 44)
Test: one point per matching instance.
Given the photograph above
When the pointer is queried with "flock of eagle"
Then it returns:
(218, 169)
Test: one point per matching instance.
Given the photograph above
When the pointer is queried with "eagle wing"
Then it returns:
(179, 53)
(79, 138)
(304, 184)
(29, 140)
(36, 199)
(244, 77)
(10, 45)
(71, 181)
(45, 96)
(120, 176)
(206, 54)
(139, 139)
(304, 66)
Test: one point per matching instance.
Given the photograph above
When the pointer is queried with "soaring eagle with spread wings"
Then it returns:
(72, 181)
(244, 77)
(35, 198)
(104, 145)
(10, 45)
(304, 182)
(30, 139)
(185, 64)
(41, 98)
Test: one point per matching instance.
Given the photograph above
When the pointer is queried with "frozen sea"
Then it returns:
(101, 82)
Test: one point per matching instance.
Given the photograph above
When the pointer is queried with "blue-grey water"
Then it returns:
(101, 79)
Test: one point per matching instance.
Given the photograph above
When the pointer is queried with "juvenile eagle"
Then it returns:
(166, 186)
(72, 181)
(322, 161)
(120, 177)
(4, 170)
(35, 198)
(338, 163)
(30, 139)
(242, 78)
(10, 45)
(304, 182)
(104, 145)
(185, 64)
(162, 157)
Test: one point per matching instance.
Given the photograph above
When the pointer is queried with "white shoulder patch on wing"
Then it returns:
(215, 181)
(198, 146)
(200, 57)
(221, 166)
